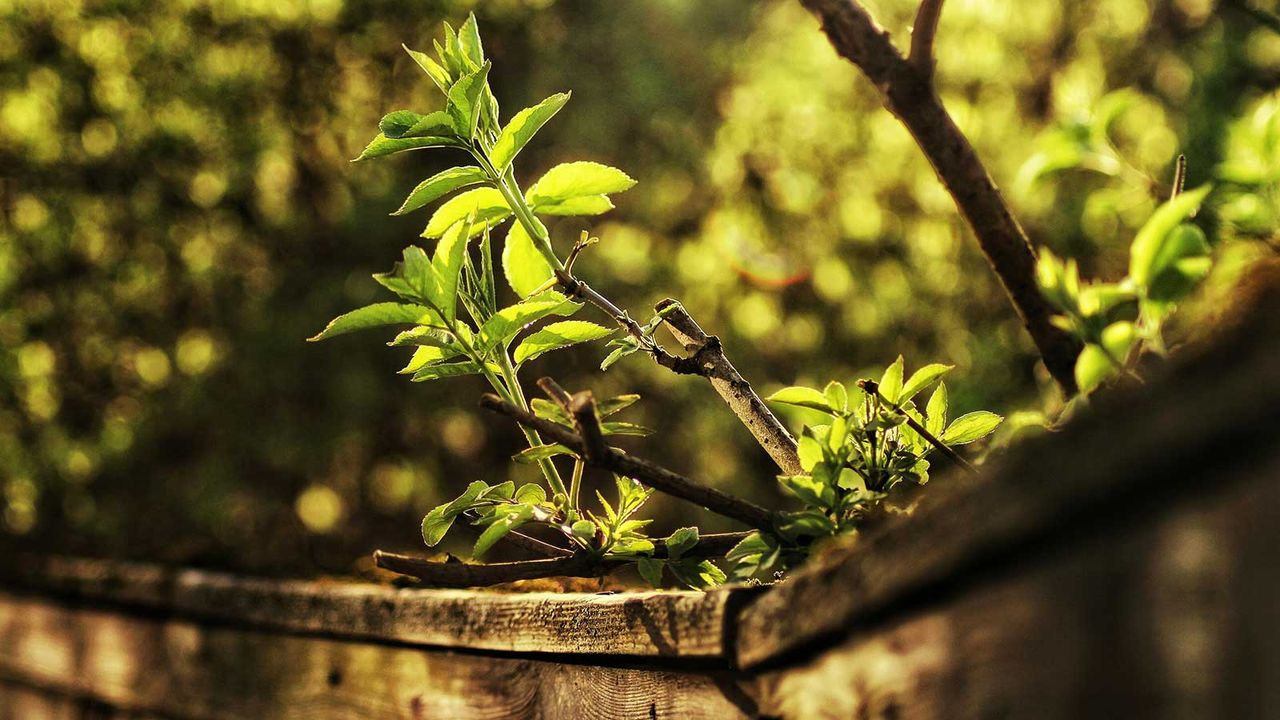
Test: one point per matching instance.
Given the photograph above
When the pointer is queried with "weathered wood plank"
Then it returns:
(1174, 619)
(666, 624)
(181, 669)
(1135, 455)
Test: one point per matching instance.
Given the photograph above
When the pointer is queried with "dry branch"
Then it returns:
(461, 575)
(707, 358)
(923, 31)
(581, 564)
(908, 93)
(648, 473)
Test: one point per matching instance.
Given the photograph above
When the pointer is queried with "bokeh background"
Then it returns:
(177, 213)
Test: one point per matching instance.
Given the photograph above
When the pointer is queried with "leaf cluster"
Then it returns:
(1117, 320)
(866, 450)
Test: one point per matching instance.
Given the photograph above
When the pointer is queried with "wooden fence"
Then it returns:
(1128, 566)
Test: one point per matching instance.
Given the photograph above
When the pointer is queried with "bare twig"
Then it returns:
(556, 393)
(460, 575)
(708, 360)
(534, 545)
(648, 473)
(582, 408)
(952, 455)
(1179, 176)
(922, 34)
(581, 564)
(909, 94)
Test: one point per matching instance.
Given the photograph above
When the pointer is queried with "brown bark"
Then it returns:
(907, 91)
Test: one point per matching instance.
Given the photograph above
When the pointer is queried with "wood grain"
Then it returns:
(1174, 619)
(687, 625)
(181, 669)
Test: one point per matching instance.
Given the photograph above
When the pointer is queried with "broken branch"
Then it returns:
(710, 362)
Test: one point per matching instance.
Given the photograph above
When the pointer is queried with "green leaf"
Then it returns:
(584, 530)
(837, 396)
(753, 544)
(469, 41)
(412, 278)
(438, 521)
(487, 205)
(531, 494)
(558, 335)
(615, 405)
(436, 524)
(971, 426)
(1180, 264)
(577, 179)
(439, 185)
(625, 428)
(622, 348)
(423, 335)
(1118, 338)
(435, 372)
(377, 315)
(921, 379)
(523, 264)
(541, 452)
(936, 411)
(438, 74)
(809, 489)
(810, 451)
(509, 321)
(437, 123)
(548, 410)
(1093, 367)
(427, 355)
(802, 397)
(446, 265)
(681, 541)
(651, 570)
(464, 101)
(522, 128)
(513, 519)
(1148, 247)
(697, 575)
(891, 381)
(585, 205)
(397, 123)
(382, 145)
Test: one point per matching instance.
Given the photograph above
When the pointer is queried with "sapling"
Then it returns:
(876, 440)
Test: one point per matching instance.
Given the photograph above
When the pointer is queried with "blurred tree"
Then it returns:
(177, 214)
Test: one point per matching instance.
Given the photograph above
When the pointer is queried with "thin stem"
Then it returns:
(874, 389)
(517, 395)
(575, 484)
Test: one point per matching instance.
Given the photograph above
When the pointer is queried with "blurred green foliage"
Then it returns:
(177, 213)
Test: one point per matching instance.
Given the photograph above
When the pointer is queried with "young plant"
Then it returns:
(1119, 321)
(877, 439)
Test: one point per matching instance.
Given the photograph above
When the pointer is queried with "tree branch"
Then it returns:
(923, 32)
(462, 575)
(909, 94)
(708, 360)
(648, 473)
